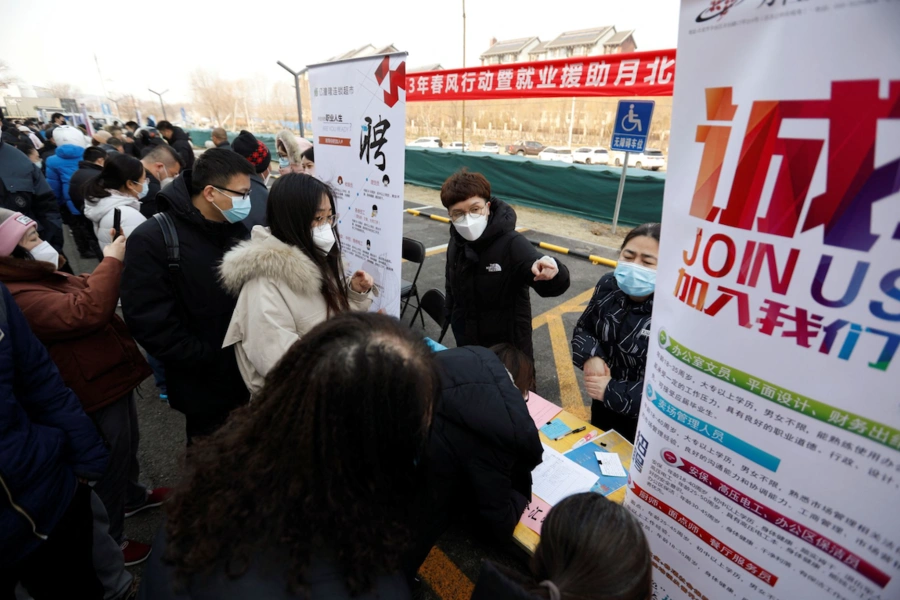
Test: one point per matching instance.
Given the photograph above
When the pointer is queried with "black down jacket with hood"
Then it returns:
(488, 299)
(481, 452)
(181, 318)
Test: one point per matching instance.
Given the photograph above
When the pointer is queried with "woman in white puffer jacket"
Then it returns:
(121, 184)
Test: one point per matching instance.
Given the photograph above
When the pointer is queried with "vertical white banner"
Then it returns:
(359, 124)
(767, 459)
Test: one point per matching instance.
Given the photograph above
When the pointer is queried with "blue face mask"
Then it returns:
(284, 162)
(635, 280)
(240, 208)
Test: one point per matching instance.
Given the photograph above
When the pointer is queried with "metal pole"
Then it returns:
(163, 106)
(464, 66)
(615, 222)
(571, 121)
(297, 88)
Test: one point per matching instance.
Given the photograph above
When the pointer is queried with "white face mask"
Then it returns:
(323, 237)
(46, 253)
(471, 226)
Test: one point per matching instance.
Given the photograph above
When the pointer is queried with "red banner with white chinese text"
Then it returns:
(636, 74)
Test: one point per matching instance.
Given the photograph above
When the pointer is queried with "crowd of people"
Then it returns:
(328, 447)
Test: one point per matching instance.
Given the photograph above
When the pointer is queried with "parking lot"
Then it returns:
(453, 566)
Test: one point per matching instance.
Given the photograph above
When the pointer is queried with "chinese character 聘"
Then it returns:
(373, 138)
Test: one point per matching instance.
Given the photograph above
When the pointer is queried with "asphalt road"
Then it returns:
(454, 565)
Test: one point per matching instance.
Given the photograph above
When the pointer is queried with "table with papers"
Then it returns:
(567, 471)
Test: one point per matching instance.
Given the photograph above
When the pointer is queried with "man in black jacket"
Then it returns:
(23, 189)
(490, 268)
(162, 165)
(89, 166)
(179, 313)
(178, 140)
(482, 449)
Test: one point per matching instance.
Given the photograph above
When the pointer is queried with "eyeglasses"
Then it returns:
(241, 195)
(458, 215)
(330, 219)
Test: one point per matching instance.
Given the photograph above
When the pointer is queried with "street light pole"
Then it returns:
(464, 66)
(297, 87)
(160, 94)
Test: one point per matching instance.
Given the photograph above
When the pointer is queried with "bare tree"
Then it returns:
(62, 90)
(6, 76)
(212, 94)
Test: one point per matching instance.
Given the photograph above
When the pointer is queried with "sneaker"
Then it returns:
(134, 552)
(154, 499)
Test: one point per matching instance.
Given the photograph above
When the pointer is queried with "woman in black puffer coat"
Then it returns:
(482, 449)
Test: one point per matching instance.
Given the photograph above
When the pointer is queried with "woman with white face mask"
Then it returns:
(288, 277)
(122, 183)
(490, 268)
(611, 338)
(75, 318)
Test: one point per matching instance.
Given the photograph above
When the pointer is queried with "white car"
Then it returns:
(648, 159)
(557, 155)
(591, 156)
(459, 146)
(427, 142)
(491, 147)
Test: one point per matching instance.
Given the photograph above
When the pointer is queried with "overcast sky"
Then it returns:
(157, 44)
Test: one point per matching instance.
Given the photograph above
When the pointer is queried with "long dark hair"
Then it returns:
(290, 210)
(592, 547)
(321, 464)
(518, 364)
(118, 170)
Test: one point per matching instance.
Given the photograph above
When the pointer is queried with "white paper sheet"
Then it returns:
(558, 477)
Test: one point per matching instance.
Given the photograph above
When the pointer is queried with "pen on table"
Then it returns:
(579, 430)
(593, 434)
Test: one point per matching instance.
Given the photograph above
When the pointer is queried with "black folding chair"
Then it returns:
(414, 252)
(432, 303)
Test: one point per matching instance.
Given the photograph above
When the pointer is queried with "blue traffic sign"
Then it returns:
(104, 108)
(632, 125)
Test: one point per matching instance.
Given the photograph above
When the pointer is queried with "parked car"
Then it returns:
(557, 155)
(591, 156)
(428, 142)
(525, 148)
(491, 147)
(459, 146)
(648, 159)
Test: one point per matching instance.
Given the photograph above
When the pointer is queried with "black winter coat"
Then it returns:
(266, 578)
(149, 205)
(24, 189)
(487, 283)
(616, 329)
(482, 449)
(259, 198)
(181, 143)
(499, 584)
(86, 171)
(181, 318)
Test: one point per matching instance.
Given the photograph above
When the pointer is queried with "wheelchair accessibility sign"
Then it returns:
(632, 125)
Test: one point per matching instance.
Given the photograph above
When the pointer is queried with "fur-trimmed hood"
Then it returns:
(264, 255)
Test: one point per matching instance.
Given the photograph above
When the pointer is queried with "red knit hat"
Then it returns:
(252, 149)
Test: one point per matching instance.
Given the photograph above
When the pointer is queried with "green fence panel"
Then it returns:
(586, 191)
(199, 137)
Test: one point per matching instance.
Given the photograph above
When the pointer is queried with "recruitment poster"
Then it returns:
(359, 124)
(767, 460)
